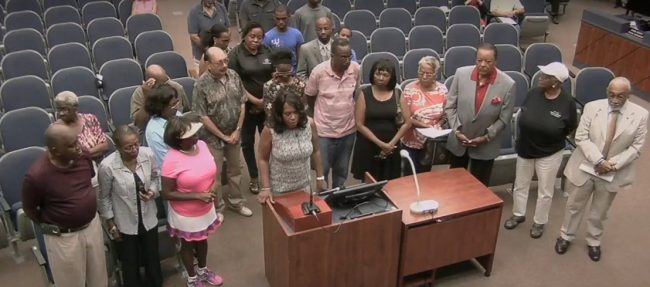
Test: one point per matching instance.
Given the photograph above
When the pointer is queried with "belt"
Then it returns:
(70, 230)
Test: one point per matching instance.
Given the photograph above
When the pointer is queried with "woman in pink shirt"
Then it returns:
(426, 98)
(188, 183)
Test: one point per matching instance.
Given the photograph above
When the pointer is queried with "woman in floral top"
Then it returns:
(90, 133)
(283, 78)
(426, 98)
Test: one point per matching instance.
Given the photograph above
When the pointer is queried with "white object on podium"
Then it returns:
(419, 206)
(433, 132)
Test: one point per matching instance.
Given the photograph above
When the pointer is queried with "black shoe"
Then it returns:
(561, 245)
(594, 252)
(513, 221)
(537, 230)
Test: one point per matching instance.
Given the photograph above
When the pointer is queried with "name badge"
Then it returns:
(556, 114)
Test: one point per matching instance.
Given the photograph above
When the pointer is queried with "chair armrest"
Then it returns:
(4, 204)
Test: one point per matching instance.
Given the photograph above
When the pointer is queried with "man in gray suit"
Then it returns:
(316, 51)
(609, 139)
(479, 107)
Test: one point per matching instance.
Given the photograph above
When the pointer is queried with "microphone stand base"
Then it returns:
(309, 208)
(424, 207)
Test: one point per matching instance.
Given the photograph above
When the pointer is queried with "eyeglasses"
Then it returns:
(131, 147)
(221, 62)
(426, 74)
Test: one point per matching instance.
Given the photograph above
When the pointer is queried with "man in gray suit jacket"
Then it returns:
(609, 138)
(316, 51)
(479, 107)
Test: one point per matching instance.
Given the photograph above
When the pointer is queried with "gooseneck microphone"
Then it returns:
(419, 207)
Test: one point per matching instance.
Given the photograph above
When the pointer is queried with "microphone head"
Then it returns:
(403, 153)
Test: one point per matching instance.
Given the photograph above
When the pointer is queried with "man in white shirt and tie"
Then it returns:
(609, 139)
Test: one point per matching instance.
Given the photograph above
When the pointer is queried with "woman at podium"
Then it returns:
(287, 147)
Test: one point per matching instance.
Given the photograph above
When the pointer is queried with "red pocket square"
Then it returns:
(497, 101)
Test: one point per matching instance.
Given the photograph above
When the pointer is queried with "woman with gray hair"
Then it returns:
(426, 98)
(90, 134)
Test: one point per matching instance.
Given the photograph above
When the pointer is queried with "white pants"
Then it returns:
(546, 169)
(601, 200)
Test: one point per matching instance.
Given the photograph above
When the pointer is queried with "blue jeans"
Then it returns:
(335, 154)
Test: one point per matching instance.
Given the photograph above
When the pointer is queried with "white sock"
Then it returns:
(191, 278)
(201, 270)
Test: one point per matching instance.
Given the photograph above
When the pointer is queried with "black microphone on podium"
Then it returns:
(308, 207)
(424, 206)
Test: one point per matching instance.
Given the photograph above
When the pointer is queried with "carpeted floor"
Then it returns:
(236, 250)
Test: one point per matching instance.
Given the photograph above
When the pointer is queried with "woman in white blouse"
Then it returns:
(128, 180)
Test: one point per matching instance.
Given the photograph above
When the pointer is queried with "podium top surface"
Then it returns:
(457, 191)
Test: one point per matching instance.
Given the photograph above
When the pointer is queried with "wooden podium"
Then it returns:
(465, 226)
(358, 252)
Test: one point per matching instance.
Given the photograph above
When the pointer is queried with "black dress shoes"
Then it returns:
(561, 245)
(594, 252)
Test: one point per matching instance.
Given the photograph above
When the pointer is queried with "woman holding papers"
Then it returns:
(546, 118)
(382, 118)
(425, 99)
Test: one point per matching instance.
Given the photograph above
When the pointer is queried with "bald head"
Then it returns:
(157, 72)
(56, 133)
(324, 21)
(215, 54)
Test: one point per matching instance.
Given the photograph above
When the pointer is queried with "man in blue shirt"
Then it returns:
(283, 36)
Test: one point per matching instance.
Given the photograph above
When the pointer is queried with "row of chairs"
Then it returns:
(75, 54)
(59, 14)
(92, 11)
(340, 7)
(27, 84)
(365, 21)
(39, 7)
(509, 59)
(390, 39)
(25, 38)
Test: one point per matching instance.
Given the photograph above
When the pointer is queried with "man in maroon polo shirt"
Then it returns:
(58, 196)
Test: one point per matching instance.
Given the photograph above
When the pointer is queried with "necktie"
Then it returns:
(324, 53)
(611, 130)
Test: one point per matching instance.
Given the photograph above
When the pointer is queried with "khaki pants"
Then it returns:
(546, 169)
(77, 259)
(232, 153)
(575, 207)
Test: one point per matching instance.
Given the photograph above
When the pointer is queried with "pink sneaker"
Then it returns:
(210, 277)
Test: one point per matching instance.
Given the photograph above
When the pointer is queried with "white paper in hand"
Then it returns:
(609, 177)
(433, 132)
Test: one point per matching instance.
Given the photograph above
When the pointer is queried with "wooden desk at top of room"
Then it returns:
(466, 225)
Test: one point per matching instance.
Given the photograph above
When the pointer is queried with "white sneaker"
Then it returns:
(245, 211)
(220, 216)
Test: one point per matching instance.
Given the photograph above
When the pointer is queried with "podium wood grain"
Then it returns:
(465, 226)
(359, 252)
